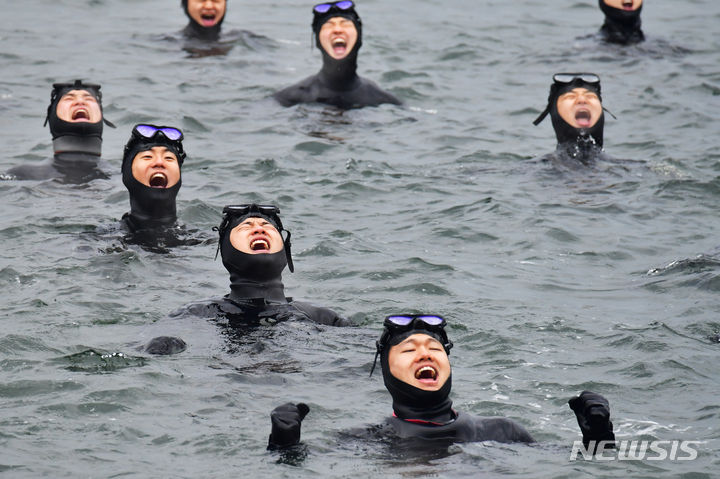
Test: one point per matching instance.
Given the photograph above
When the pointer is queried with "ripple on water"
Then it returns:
(95, 361)
(701, 272)
(74, 410)
(29, 388)
(420, 288)
(14, 344)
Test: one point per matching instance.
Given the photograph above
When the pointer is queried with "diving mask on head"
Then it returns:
(404, 325)
(236, 214)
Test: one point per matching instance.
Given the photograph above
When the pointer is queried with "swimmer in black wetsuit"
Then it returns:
(75, 115)
(622, 21)
(338, 35)
(205, 18)
(577, 114)
(151, 166)
(413, 351)
(255, 254)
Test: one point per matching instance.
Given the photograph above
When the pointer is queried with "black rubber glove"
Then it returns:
(592, 411)
(165, 345)
(286, 421)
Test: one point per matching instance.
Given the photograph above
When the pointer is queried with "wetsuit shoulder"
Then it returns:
(321, 315)
(466, 428)
(45, 171)
(460, 430)
(613, 34)
(305, 91)
(499, 429)
(210, 308)
(372, 95)
(312, 90)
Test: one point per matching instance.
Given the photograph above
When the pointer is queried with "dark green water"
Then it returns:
(596, 279)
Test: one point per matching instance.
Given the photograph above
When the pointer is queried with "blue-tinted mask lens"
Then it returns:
(146, 130)
(325, 7)
(431, 320)
(149, 131)
(172, 133)
(400, 320)
(322, 8)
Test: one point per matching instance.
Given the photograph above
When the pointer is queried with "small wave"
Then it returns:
(95, 361)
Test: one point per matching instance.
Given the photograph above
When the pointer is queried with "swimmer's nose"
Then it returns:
(423, 352)
(158, 161)
(258, 229)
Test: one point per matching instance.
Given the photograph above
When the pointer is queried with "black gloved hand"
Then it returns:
(592, 411)
(165, 345)
(286, 421)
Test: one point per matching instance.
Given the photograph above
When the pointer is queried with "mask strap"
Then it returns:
(53, 96)
(221, 230)
(542, 116)
(610, 113)
(377, 353)
(288, 254)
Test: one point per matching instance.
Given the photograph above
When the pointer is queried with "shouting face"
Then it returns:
(338, 37)
(207, 13)
(157, 167)
(421, 361)
(580, 108)
(629, 5)
(256, 235)
(79, 106)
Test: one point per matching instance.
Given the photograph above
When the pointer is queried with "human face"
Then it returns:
(624, 4)
(580, 108)
(157, 167)
(256, 236)
(338, 36)
(207, 13)
(421, 361)
(78, 106)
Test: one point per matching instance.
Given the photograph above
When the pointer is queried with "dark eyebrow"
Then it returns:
(416, 341)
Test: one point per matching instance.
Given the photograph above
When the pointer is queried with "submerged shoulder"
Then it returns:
(209, 308)
(301, 92)
(500, 429)
(44, 171)
(374, 95)
(320, 314)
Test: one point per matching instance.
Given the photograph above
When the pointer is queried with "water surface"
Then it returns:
(603, 279)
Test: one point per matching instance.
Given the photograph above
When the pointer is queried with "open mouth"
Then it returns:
(260, 245)
(158, 180)
(208, 19)
(81, 114)
(583, 118)
(426, 374)
(627, 4)
(339, 46)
